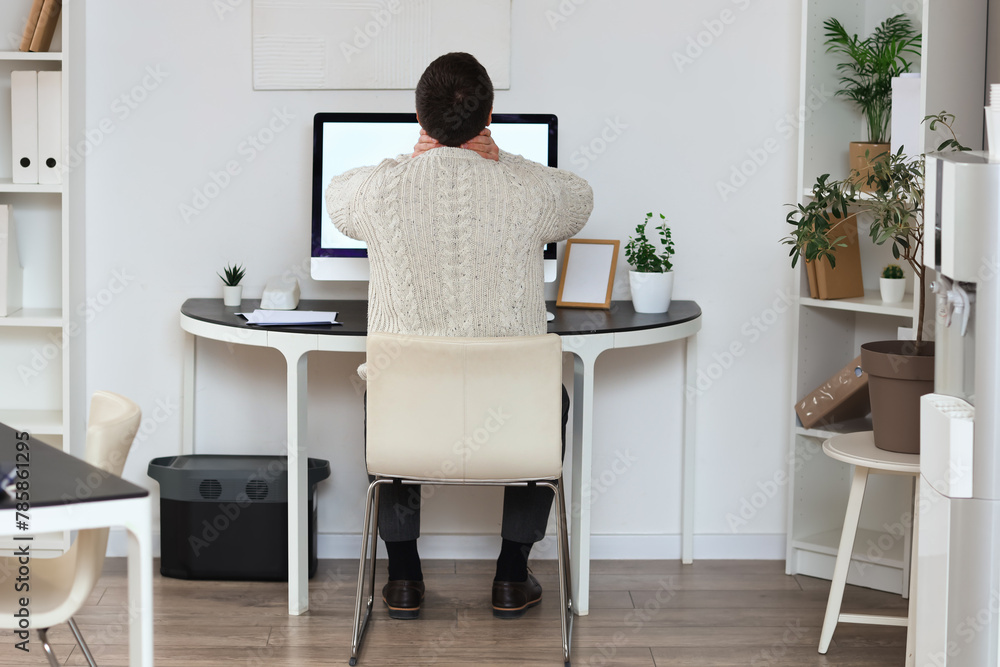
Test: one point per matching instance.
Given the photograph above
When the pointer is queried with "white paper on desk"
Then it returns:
(275, 318)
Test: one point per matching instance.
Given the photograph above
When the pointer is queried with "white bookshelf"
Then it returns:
(829, 333)
(42, 346)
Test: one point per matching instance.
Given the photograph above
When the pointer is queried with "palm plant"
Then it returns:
(871, 64)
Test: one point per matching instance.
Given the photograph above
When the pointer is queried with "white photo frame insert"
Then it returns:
(588, 273)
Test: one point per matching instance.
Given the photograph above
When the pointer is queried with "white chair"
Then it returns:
(60, 586)
(476, 411)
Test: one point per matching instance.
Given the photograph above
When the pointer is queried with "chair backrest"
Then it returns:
(464, 409)
(111, 427)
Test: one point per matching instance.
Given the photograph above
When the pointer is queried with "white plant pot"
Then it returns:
(893, 289)
(232, 295)
(651, 292)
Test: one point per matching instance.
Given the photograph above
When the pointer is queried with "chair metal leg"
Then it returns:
(565, 587)
(47, 648)
(81, 643)
(361, 623)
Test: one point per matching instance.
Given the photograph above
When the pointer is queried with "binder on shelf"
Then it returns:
(11, 273)
(50, 127)
(811, 277)
(845, 280)
(844, 396)
(24, 126)
(29, 27)
(41, 40)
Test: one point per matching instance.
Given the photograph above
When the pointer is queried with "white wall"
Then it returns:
(685, 126)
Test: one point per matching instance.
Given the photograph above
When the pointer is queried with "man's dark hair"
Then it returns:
(454, 98)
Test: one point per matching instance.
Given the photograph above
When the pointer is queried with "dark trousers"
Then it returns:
(525, 508)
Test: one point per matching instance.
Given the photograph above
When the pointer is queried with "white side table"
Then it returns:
(859, 450)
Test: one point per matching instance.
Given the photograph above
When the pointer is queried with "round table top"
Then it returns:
(859, 449)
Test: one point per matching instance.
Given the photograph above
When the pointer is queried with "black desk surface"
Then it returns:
(56, 478)
(354, 316)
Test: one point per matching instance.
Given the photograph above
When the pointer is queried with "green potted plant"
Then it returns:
(652, 279)
(867, 72)
(899, 371)
(892, 284)
(232, 291)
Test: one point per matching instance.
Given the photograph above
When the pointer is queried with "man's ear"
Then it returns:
(489, 118)
(418, 118)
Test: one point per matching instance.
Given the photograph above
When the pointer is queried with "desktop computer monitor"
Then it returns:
(343, 141)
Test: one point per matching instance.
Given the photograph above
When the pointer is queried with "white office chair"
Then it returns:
(60, 586)
(476, 411)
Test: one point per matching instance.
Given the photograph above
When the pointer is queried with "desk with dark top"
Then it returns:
(585, 334)
(67, 493)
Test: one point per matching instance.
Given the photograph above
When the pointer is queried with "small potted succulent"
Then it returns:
(652, 280)
(892, 284)
(232, 291)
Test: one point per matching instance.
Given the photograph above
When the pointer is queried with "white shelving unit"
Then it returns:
(830, 333)
(42, 346)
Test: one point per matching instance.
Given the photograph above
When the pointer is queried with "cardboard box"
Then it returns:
(844, 396)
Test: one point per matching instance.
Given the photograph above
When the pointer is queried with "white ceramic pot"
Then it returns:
(892, 289)
(651, 292)
(232, 295)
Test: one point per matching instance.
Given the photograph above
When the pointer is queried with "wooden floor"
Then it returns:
(648, 613)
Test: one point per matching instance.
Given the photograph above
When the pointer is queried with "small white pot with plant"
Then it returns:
(892, 284)
(652, 279)
(232, 291)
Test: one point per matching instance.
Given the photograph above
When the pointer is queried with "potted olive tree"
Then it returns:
(899, 371)
(652, 280)
(868, 69)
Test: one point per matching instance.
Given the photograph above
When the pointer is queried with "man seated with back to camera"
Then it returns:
(455, 234)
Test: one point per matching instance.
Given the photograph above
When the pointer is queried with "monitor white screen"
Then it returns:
(344, 141)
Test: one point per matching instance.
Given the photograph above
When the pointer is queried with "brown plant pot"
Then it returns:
(898, 375)
(862, 164)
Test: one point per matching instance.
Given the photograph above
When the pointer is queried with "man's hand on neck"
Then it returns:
(483, 145)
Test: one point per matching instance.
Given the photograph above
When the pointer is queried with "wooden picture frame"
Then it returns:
(588, 273)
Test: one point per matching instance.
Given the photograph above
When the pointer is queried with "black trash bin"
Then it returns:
(226, 517)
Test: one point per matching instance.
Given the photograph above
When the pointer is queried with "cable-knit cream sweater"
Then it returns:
(455, 240)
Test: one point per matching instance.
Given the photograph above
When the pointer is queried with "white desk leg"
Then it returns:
(298, 483)
(583, 441)
(187, 392)
(688, 446)
(140, 585)
(911, 618)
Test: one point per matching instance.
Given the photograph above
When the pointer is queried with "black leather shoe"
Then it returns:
(403, 598)
(512, 598)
